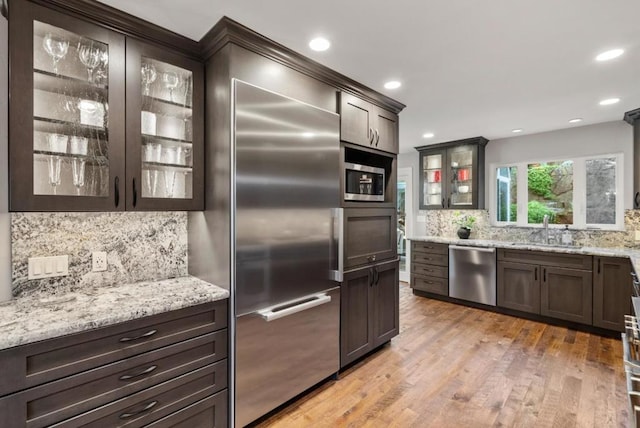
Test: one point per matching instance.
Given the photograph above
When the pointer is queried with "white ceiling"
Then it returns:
(468, 67)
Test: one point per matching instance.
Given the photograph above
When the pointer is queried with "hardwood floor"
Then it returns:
(453, 366)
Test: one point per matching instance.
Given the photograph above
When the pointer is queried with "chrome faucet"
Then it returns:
(545, 226)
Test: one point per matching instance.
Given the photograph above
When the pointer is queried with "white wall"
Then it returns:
(598, 139)
(5, 223)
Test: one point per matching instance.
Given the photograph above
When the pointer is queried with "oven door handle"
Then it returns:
(273, 314)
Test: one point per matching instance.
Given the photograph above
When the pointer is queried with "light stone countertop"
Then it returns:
(33, 318)
(632, 254)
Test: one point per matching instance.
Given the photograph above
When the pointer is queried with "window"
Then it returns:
(581, 192)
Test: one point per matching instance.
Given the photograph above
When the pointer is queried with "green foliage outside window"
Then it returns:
(540, 180)
(537, 210)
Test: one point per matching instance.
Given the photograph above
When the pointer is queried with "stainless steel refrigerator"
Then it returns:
(287, 300)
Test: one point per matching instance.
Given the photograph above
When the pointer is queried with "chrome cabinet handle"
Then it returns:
(371, 136)
(135, 193)
(116, 191)
(377, 137)
(146, 408)
(142, 336)
(142, 373)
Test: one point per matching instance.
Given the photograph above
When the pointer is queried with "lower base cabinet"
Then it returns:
(145, 372)
(369, 310)
(612, 291)
(518, 287)
(566, 294)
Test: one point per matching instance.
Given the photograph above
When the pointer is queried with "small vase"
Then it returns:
(464, 232)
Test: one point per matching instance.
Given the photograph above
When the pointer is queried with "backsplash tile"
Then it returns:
(440, 223)
(140, 247)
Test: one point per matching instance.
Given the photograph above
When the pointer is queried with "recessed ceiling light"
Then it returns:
(428, 135)
(609, 101)
(392, 84)
(517, 130)
(319, 44)
(576, 120)
(606, 56)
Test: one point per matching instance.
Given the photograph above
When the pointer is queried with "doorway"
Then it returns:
(405, 212)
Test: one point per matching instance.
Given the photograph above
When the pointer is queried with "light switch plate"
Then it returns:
(48, 267)
(637, 235)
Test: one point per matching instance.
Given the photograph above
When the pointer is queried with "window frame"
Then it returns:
(579, 193)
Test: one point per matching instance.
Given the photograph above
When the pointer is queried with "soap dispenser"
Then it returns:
(566, 236)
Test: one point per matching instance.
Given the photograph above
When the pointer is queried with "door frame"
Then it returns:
(406, 174)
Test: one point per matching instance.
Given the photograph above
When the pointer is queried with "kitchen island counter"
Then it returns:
(33, 318)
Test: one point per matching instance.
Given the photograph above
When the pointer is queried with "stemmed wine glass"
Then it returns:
(56, 47)
(103, 69)
(90, 53)
(148, 74)
(171, 81)
(57, 144)
(77, 168)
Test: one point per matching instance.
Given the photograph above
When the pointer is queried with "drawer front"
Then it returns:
(369, 236)
(430, 270)
(37, 363)
(156, 402)
(210, 412)
(70, 396)
(429, 247)
(547, 258)
(430, 284)
(430, 259)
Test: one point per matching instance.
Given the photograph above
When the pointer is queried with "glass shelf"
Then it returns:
(160, 139)
(167, 166)
(43, 124)
(69, 86)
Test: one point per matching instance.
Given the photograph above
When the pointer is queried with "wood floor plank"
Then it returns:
(455, 366)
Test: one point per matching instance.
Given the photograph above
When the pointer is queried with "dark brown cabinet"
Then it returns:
(369, 310)
(452, 174)
(518, 287)
(612, 290)
(545, 283)
(138, 371)
(566, 294)
(429, 267)
(369, 236)
(367, 125)
(82, 140)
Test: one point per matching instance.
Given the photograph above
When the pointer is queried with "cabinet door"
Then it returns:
(433, 179)
(165, 130)
(611, 292)
(355, 315)
(519, 287)
(356, 120)
(66, 114)
(462, 177)
(566, 294)
(386, 131)
(369, 235)
(386, 288)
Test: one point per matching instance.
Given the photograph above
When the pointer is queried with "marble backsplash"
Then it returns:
(140, 246)
(440, 223)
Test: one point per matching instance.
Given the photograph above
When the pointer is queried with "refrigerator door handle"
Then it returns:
(337, 215)
(273, 314)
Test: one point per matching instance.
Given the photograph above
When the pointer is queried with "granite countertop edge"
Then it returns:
(632, 254)
(34, 318)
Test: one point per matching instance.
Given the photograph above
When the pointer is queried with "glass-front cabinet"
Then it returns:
(452, 174)
(76, 141)
(165, 101)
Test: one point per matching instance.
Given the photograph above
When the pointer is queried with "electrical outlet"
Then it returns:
(99, 261)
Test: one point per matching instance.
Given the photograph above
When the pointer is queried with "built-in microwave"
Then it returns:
(363, 183)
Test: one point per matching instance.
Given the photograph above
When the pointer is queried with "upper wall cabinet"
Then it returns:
(68, 147)
(367, 125)
(452, 174)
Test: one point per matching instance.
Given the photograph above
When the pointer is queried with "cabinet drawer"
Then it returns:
(430, 284)
(156, 402)
(369, 236)
(40, 362)
(430, 259)
(570, 261)
(429, 247)
(58, 400)
(210, 412)
(430, 270)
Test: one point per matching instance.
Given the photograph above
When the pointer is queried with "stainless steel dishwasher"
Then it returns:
(472, 274)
